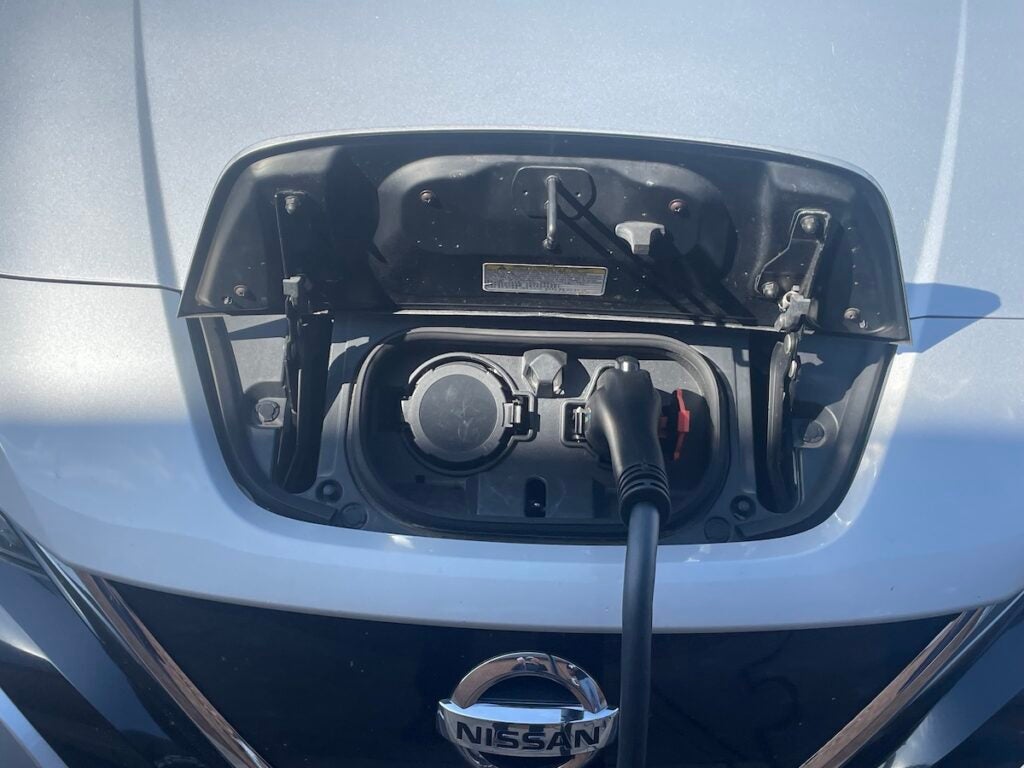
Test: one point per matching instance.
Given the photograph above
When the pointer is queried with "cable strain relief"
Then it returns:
(644, 483)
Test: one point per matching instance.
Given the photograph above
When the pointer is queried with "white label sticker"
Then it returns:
(545, 278)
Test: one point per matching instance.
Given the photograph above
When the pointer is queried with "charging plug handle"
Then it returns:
(622, 418)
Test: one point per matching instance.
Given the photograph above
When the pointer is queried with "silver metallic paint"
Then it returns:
(108, 459)
(21, 745)
(119, 117)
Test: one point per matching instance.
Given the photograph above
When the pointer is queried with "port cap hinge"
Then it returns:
(788, 278)
(308, 343)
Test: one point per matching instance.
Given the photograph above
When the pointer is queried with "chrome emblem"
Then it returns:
(480, 725)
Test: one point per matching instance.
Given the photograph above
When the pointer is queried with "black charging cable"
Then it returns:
(622, 416)
(637, 623)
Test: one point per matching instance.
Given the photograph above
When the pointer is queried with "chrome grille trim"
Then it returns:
(938, 659)
(96, 601)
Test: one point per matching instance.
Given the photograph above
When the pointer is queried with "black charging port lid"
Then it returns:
(458, 413)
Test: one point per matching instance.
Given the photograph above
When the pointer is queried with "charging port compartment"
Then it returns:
(538, 477)
(400, 332)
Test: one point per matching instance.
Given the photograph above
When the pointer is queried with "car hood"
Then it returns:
(120, 118)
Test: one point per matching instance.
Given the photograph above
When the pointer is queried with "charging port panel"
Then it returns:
(530, 470)
(372, 474)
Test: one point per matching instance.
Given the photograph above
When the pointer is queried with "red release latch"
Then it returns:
(682, 425)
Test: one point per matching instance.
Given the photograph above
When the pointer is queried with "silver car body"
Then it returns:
(119, 117)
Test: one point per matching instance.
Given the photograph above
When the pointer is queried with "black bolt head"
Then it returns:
(267, 411)
(809, 224)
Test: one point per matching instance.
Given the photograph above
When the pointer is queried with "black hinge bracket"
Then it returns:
(791, 273)
(310, 322)
(789, 279)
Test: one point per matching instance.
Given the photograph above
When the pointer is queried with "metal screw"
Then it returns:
(350, 516)
(770, 290)
(291, 204)
(329, 491)
(241, 291)
(813, 434)
(267, 411)
(809, 224)
(227, 301)
(427, 196)
(677, 206)
(717, 530)
(743, 507)
(788, 343)
(852, 314)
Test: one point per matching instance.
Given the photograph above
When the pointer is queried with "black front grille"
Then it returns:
(315, 691)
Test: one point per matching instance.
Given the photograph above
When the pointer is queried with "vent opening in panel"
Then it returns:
(535, 501)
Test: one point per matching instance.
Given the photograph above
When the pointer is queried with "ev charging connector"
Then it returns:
(622, 417)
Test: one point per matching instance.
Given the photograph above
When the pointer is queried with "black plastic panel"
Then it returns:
(315, 691)
(580, 495)
(999, 743)
(407, 221)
